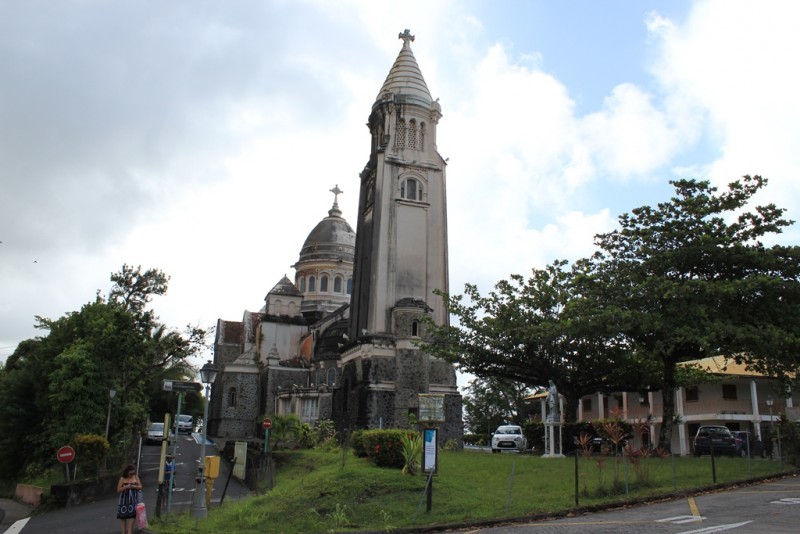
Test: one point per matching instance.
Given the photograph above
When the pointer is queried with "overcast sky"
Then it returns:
(202, 137)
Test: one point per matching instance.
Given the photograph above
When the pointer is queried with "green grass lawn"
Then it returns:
(319, 492)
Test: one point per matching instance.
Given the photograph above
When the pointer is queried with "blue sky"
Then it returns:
(202, 138)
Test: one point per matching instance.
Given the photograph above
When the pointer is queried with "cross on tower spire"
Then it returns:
(406, 37)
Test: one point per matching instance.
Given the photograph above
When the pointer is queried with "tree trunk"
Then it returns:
(571, 408)
(668, 403)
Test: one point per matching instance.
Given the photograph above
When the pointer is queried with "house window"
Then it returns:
(692, 394)
(323, 283)
(411, 189)
(644, 399)
(309, 409)
(729, 391)
(349, 286)
(312, 283)
(414, 328)
(232, 397)
(586, 404)
(605, 405)
(337, 284)
(331, 377)
(620, 403)
(302, 285)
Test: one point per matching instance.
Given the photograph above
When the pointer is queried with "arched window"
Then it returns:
(349, 286)
(232, 397)
(302, 284)
(411, 189)
(323, 283)
(312, 284)
(414, 328)
(337, 284)
(331, 376)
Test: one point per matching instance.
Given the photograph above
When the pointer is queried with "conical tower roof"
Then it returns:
(405, 78)
(285, 287)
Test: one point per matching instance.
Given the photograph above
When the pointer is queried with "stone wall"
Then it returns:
(239, 419)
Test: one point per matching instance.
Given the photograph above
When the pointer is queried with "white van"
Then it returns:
(185, 423)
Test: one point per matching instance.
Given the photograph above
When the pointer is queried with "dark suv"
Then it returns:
(755, 446)
(717, 437)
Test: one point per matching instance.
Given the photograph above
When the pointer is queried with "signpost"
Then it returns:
(65, 455)
(177, 385)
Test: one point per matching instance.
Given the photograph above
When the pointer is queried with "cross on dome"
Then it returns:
(336, 192)
(335, 211)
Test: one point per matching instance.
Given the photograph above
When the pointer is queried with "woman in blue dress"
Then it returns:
(128, 488)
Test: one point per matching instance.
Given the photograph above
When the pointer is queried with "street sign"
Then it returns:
(65, 454)
(177, 385)
(266, 423)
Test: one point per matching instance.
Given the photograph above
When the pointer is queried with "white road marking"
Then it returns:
(787, 500)
(718, 528)
(680, 519)
(17, 527)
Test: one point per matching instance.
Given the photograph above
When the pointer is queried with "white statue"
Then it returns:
(553, 405)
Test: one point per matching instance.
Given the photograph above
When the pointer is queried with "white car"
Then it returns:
(185, 423)
(509, 438)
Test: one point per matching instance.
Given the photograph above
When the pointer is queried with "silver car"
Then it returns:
(155, 433)
(508, 438)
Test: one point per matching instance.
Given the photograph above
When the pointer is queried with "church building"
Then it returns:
(341, 340)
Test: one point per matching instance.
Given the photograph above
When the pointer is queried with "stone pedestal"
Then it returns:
(552, 440)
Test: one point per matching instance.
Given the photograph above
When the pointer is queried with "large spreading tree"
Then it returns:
(691, 278)
(536, 330)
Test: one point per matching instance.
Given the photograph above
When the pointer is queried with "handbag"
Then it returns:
(141, 516)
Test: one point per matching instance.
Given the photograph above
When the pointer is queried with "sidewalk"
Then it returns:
(14, 511)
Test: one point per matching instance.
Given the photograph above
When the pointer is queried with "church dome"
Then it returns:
(331, 239)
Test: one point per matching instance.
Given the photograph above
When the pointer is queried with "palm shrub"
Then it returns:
(412, 450)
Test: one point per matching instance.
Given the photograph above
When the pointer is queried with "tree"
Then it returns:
(491, 401)
(57, 385)
(536, 330)
(691, 278)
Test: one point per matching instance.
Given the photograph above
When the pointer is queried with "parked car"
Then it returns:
(756, 447)
(716, 436)
(509, 438)
(155, 433)
(185, 423)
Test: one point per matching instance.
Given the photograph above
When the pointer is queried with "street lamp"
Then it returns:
(111, 393)
(769, 405)
(208, 374)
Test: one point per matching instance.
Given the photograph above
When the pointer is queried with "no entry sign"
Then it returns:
(65, 454)
(266, 423)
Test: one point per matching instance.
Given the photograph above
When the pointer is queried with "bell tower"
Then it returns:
(401, 235)
(400, 259)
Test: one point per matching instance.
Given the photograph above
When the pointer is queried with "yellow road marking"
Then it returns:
(693, 507)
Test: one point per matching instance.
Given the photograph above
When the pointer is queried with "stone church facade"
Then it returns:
(341, 341)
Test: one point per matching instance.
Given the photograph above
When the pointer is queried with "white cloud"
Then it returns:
(733, 63)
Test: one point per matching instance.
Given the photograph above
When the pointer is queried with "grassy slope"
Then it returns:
(322, 492)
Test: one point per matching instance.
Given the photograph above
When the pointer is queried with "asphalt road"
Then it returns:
(99, 517)
(772, 507)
